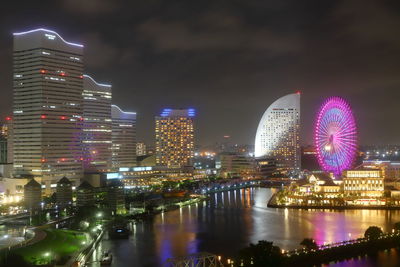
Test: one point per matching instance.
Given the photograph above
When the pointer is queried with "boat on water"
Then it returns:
(106, 260)
(118, 231)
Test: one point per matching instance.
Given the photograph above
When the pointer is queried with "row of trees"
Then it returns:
(265, 253)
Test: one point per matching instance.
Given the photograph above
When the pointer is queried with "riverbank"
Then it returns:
(273, 204)
(341, 251)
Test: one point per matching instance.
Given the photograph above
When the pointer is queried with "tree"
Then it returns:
(262, 254)
(309, 243)
(373, 232)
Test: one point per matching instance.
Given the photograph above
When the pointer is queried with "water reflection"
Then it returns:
(231, 220)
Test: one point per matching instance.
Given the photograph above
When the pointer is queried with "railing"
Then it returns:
(338, 244)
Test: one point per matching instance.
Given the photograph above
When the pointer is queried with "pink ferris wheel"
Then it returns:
(335, 136)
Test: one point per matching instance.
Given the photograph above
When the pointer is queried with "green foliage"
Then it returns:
(373, 232)
(56, 246)
(309, 243)
(262, 254)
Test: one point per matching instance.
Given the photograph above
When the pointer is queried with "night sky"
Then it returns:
(228, 59)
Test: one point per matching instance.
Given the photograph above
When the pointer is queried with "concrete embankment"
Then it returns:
(272, 204)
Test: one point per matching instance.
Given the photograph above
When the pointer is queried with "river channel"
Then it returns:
(231, 220)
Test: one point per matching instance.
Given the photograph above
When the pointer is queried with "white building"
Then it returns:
(123, 138)
(278, 133)
(48, 102)
(96, 139)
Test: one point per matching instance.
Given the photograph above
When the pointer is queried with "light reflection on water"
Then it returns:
(231, 220)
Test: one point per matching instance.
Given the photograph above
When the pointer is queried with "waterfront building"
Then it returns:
(64, 192)
(145, 176)
(266, 167)
(175, 138)
(116, 197)
(141, 149)
(47, 118)
(235, 165)
(390, 169)
(32, 195)
(365, 183)
(278, 134)
(96, 139)
(85, 195)
(123, 138)
(317, 189)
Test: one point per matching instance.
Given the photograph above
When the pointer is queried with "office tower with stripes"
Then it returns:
(48, 107)
(123, 138)
(96, 136)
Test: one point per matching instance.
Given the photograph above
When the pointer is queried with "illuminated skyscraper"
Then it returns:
(278, 133)
(96, 125)
(175, 137)
(48, 100)
(123, 138)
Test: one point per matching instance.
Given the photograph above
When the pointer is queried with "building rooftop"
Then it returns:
(33, 183)
(168, 112)
(85, 185)
(64, 180)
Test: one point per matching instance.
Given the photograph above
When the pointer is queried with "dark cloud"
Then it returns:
(215, 32)
(98, 52)
(91, 7)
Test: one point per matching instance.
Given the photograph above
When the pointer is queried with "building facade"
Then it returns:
(47, 107)
(97, 127)
(235, 165)
(278, 133)
(3, 150)
(64, 192)
(32, 195)
(123, 138)
(116, 196)
(366, 183)
(175, 138)
(141, 149)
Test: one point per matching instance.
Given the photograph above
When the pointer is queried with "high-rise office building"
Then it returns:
(96, 136)
(278, 132)
(48, 87)
(175, 137)
(123, 138)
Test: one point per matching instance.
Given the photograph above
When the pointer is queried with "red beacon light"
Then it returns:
(62, 73)
(298, 92)
(42, 71)
(81, 76)
(43, 117)
(63, 117)
(43, 160)
(8, 118)
(63, 159)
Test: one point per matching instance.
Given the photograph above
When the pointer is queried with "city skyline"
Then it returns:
(258, 73)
